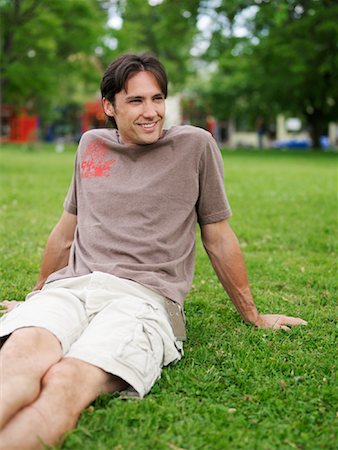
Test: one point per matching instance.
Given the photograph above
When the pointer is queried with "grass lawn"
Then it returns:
(237, 387)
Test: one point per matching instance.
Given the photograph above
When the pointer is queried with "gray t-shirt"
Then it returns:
(138, 206)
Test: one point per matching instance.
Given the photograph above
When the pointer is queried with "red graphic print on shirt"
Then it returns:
(95, 162)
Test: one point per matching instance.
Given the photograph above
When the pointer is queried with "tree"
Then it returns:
(166, 28)
(287, 61)
(299, 60)
(48, 50)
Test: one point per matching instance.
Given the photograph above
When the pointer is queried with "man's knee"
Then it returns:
(31, 348)
(59, 391)
(36, 338)
(61, 375)
(74, 383)
(23, 337)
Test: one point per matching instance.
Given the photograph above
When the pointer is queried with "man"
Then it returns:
(106, 313)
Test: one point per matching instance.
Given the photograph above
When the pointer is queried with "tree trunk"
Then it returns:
(317, 128)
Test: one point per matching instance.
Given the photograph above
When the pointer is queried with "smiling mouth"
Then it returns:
(148, 126)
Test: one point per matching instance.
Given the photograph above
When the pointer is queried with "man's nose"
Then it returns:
(149, 110)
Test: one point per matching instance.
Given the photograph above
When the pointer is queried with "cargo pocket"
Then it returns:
(165, 347)
(137, 354)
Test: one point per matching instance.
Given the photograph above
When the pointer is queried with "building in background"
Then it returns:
(93, 116)
(18, 126)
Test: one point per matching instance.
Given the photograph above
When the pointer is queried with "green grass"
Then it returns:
(237, 387)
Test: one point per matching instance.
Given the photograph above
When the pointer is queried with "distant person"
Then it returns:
(106, 313)
(224, 131)
(261, 131)
(212, 127)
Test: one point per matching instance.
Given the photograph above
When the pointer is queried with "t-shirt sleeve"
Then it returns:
(212, 205)
(70, 203)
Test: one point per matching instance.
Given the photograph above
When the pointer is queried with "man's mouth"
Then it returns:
(148, 126)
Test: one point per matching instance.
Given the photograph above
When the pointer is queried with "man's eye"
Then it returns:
(135, 101)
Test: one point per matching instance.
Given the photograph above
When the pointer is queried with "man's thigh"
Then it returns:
(131, 339)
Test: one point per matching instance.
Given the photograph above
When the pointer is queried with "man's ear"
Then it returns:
(108, 107)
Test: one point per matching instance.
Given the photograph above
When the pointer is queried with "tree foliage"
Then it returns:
(48, 49)
(299, 57)
(287, 62)
(166, 28)
(264, 57)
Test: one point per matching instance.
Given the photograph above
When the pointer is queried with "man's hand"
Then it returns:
(226, 257)
(278, 321)
(8, 305)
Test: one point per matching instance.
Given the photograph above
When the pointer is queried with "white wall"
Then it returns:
(173, 111)
(243, 139)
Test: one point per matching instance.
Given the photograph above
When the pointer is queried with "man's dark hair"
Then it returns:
(121, 69)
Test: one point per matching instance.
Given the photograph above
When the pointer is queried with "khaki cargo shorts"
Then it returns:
(113, 323)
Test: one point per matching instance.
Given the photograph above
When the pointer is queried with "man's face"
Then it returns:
(139, 110)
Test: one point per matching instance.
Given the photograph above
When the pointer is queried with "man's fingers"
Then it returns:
(8, 305)
(282, 322)
(279, 321)
(286, 320)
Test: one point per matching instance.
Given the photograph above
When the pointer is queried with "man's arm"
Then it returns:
(57, 248)
(227, 260)
(55, 255)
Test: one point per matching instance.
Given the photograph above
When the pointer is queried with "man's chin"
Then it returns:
(151, 138)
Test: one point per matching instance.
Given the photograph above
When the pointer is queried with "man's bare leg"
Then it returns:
(67, 388)
(24, 359)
